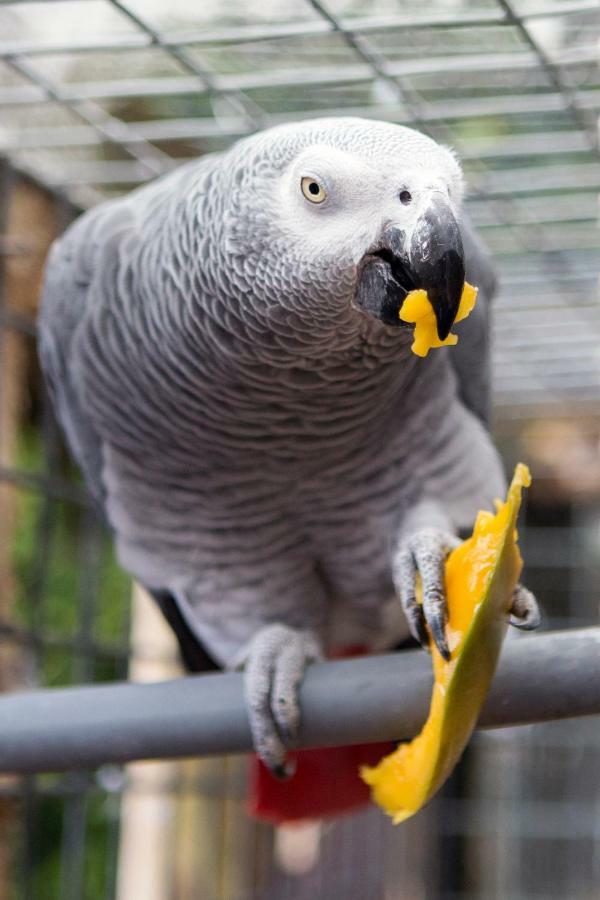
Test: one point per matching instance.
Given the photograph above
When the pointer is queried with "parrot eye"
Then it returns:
(312, 190)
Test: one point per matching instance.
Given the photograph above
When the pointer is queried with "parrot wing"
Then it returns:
(70, 270)
(471, 356)
(79, 272)
(76, 265)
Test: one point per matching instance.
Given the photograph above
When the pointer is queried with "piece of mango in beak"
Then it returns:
(417, 308)
(481, 575)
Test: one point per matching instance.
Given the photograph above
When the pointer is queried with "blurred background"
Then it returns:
(98, 96)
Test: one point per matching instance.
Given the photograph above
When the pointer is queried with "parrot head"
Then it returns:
(349, 214)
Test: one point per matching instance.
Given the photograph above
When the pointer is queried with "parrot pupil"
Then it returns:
(405, 197)
(314, 188)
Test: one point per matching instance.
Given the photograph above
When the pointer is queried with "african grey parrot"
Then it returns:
(225, 355)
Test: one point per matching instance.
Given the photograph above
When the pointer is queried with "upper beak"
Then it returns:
(436, 263)
(431, 259)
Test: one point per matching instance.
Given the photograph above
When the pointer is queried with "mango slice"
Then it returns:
(481, 574)
(417, 308)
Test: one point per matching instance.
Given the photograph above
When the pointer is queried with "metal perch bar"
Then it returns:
(553, 676)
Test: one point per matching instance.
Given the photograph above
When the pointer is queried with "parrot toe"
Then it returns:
(274, 664)
(424, 553)
(525, 611)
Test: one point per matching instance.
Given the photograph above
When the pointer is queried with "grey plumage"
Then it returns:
(258, 444)
(471, 356)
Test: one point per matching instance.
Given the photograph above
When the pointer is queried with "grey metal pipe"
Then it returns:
(551, 676)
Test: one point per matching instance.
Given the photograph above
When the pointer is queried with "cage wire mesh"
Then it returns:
(98, 96)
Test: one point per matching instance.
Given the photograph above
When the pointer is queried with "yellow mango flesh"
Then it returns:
(481, 574)
(417, 308)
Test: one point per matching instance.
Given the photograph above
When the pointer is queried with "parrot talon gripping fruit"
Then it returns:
(225, 354)
(424, 552)
(481, 578)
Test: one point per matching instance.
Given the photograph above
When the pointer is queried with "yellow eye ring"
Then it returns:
(312, 190)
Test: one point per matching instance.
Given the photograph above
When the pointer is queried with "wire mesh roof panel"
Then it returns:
(98, 96)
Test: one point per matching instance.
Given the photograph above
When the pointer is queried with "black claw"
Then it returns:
(418, 629)
(439, 637)
(529, 622)
(285, 770)
(525, 613)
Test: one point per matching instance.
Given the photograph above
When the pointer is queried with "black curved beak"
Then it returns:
(437, 263)
(433, 261)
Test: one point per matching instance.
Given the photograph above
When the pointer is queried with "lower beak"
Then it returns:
(431, 260)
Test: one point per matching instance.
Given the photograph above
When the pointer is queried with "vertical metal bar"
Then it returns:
(28, 851)
(7, 178)
(88, 565)
(113, 805)
(25, 866)
(74, 817)
(73, 842)
(45, 526)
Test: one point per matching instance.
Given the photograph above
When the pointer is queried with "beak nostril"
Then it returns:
(405, 197)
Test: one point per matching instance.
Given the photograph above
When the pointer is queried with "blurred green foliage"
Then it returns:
(66, 825)
(48, 564)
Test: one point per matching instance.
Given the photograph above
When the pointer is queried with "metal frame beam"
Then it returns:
(314, 28)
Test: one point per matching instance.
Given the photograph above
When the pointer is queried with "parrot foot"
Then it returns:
(425, 553)
(274, 662)
(525, 611)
